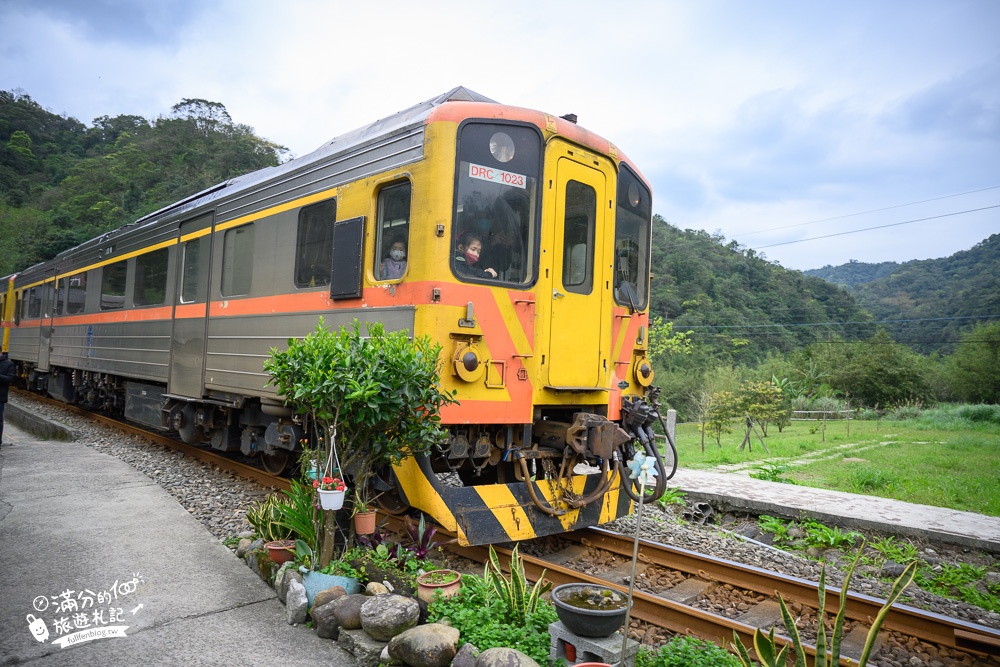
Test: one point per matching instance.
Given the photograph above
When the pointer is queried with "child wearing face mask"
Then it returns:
(394, 265)
(470, 246)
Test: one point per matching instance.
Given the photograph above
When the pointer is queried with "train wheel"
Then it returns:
(276, 461)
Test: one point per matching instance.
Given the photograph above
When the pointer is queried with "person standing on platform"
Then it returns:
(6, 377)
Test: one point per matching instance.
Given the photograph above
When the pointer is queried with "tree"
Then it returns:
(975, 366)
(878, 372)
(764, 402)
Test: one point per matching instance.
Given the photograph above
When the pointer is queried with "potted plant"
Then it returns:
(331, 492)
(378, 393)
(364, 515)
(280, 551)
(449, 582)
(589, 610)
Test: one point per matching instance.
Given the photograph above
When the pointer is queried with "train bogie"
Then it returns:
(516, 240)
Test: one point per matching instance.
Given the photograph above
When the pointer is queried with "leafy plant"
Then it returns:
(827, 648)
(297, 513)
(870, 480)
(686, 651)
(898, 552)
(265, 517)
(513, 591)
(828, 537)
(421, 537)
(342, 568)
(671, 496)
(772, 472)
(773, 525)
(478, 600)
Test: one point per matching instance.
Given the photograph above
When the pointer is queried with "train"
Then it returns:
(516, 239)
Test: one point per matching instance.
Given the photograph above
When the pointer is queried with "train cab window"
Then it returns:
(76, 298)
(34, 305)
(314, 244)
(578, 238)
(392, 240)
(113, 285)
(237, 261)
(633, 219)
(496, 203)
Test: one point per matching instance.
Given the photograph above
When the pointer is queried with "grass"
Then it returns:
(946, 458)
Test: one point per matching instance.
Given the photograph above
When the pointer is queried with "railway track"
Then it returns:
(680, 607)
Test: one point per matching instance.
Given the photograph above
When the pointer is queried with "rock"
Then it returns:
(386, 659)
(892, 569)
(431, 645)
(366, 651)
(385, 616)
(325, 621)
(328, 595)
(814, 552)
(375, 588)
(795, 533)
(297, 603)
(466, 656)
(348, 610)
(241, 548)
(504, 657)
(290, 575)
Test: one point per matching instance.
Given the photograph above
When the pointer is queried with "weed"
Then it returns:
(773, 525)
(772, 472)
(672, 496)
(828, 537)
(898, 552)
(870, 480)
(232, 541)
(686, 652)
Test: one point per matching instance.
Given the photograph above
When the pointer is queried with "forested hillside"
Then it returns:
(854, 272)
(62, 182)
(949, 295)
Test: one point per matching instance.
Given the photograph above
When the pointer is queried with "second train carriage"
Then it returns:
(518, 240)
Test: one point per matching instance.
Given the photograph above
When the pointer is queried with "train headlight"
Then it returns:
(469, 364)
(642, 370)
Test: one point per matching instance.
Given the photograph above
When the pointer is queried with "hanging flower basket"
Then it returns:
(331, 492)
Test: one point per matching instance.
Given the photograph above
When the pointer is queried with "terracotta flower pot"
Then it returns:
(364, 523)
(447, 581)
(281, 551)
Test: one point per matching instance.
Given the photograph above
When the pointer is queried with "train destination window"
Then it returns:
(237, 261)
(633, 219)
(392, 242)
(150, 287)
(192, 269)
(76, 299)
(314, 244)
(496, 203)
(578, 238)
(113, 285)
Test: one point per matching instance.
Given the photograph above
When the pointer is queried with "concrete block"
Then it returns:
(590, 649)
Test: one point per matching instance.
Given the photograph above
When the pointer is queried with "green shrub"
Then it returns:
(870, 480)
(686, 652)
(980, 413)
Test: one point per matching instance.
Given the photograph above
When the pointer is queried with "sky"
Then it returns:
(786, 126)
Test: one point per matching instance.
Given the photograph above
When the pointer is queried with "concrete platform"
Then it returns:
(92, 543)
(740, 492)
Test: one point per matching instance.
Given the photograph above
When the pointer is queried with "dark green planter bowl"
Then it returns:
(586, 620)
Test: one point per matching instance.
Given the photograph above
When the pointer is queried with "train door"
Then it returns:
(45, 330)
(581, 300)
(187, 344)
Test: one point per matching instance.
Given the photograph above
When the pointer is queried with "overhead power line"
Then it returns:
(868, 229)
(874, 210)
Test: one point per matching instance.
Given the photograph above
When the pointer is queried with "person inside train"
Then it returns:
(394, 265)
(470, 246)
(626, 271)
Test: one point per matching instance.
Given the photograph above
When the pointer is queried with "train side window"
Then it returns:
(237, 261)
(150, 287)
(60, 296)
(113, 285)
(578, 238)
(49, 300)
(392, 232)
(34, 303)
(76, 299)
(18, 305)
(314, 244)
(192, 269)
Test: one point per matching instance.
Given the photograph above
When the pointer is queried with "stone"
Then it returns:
(348, 610)
(504, 657)
(431, 645)
(290, 575)
(386, 659)
(325, 621)
(328, 595)
(892, 569)
(375, 588)
(385, 616)
(466, 656)
(296, 604)
(241, 548)
(366, 651)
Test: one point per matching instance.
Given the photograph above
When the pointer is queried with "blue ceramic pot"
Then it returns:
(315, 582)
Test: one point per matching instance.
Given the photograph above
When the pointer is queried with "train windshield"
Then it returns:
(496, 203)
(632, 236)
